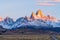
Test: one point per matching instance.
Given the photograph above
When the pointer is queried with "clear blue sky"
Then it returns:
(21, 8)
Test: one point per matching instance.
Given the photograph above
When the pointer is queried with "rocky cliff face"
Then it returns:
(39, 15)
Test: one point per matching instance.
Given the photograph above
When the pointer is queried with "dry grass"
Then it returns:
(25, 37)
(58, 37)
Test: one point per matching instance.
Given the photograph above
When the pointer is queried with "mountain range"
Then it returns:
(35, 23)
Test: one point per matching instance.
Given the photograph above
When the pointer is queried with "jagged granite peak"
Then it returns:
(51, 18)
(39, 13)
(22, 19)
(8, 21)
(28, 18)
(19, 22)
(33, 15)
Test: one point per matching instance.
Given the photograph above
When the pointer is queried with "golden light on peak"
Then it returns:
(40, 15)
(1, 18)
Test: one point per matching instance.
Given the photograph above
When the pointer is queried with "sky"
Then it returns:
(21, 8)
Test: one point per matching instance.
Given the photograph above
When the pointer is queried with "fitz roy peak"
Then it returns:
(37, 20)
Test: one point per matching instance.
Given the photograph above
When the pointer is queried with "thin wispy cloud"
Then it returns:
(56, 0)
(48, 2)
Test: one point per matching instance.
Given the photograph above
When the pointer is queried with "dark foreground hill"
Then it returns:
(29, 30)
